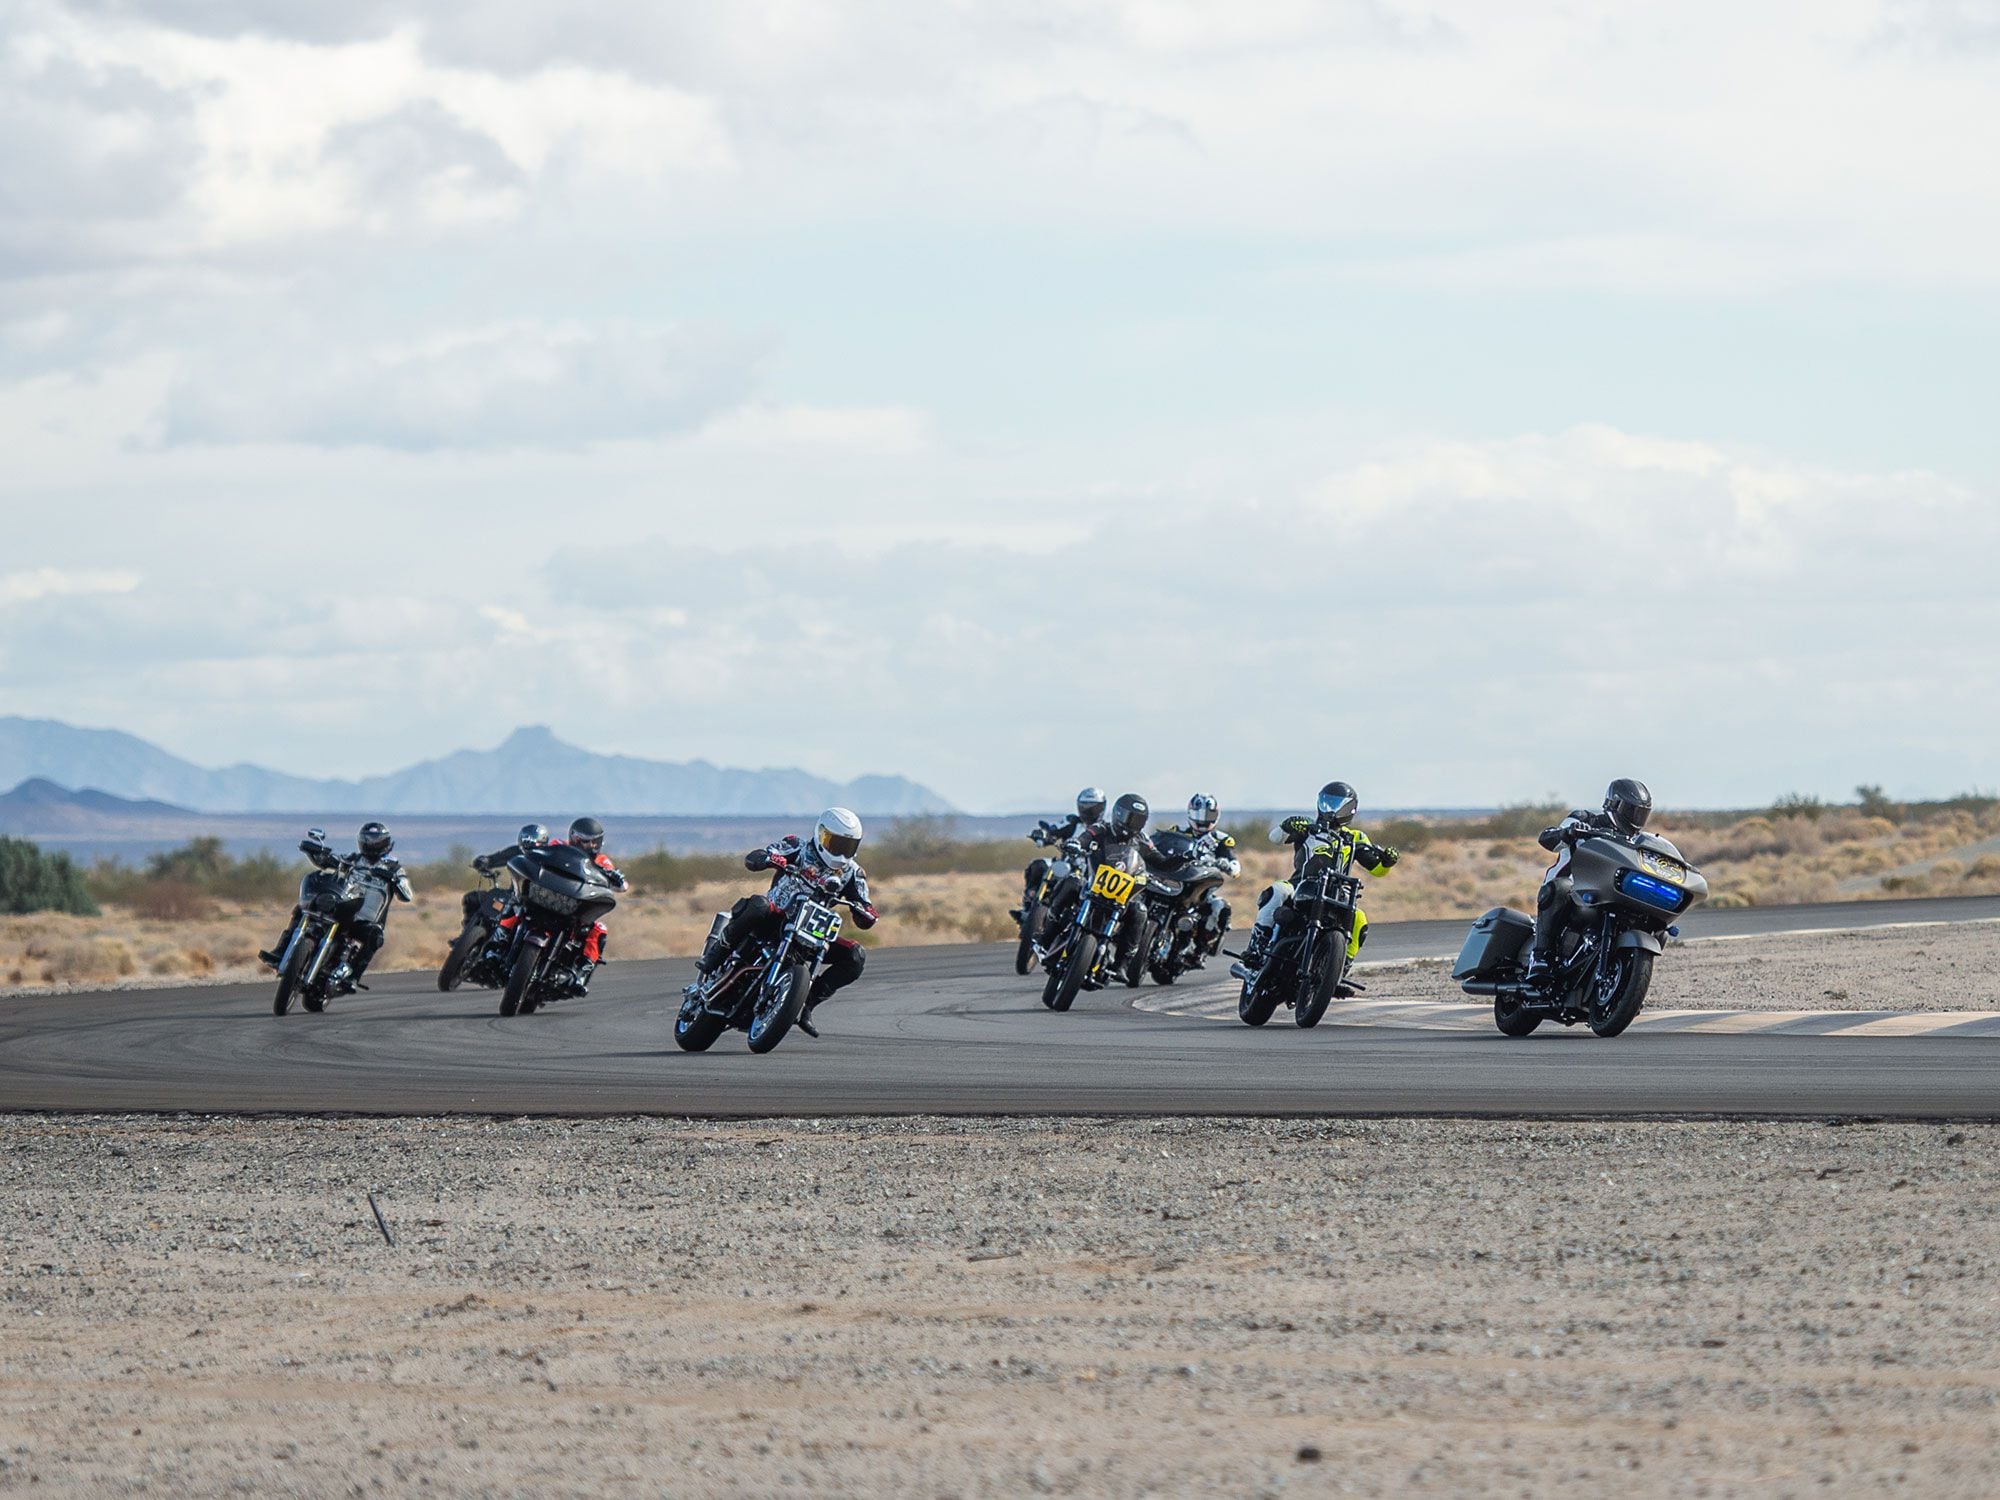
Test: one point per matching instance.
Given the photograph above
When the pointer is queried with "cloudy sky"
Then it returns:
(1473, 401)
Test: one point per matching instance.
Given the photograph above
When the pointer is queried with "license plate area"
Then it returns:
(1113, 884)
(818, 924)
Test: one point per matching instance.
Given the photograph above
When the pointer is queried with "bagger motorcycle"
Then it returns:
(1309, 960)
(484, 911)
(1626, 891)
(333, 899)
(761, 987)
(1176, 939)
(1081, 955)
(560, 893)
(1050, 907)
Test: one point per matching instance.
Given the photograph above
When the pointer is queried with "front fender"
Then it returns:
(1635, 938)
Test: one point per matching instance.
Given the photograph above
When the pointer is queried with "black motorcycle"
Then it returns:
(561, 893)
(761, 987)
(1051, 905)
(1084, 953)
(334, 898)
(1309, 959)
(1176, 938)
(1626, 891)
(484, 911)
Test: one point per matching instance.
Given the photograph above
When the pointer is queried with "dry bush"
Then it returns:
(1986, 867)
(171, 901)
(182, 963)
(1946, 870)
(84, 961)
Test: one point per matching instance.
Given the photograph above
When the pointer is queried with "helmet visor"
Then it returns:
(1630, 815)
(590, 843)
(839, 845)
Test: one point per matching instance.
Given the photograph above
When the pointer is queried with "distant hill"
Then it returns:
(38, 807)
(530, 769)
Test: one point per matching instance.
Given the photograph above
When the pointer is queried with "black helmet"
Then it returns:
(1203, 812)
(587, 834)
(1337, 805)
(1129, 814)
(531, 836)
(1629, 804)
(374, 840)
(1090, 804)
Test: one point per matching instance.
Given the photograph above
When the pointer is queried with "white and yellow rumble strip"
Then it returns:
(1426, 1015)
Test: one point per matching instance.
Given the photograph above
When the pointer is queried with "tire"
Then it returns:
(1031, 924)
(774, 1015)
(1165, 973)
(1068, 979)
(695, 1030)
(1258, 1001)
(1633, 977)
(1512, 1017)
(1134, 968)
(514, 999)
(288, 977)
(1312, 1007)
(465, 947)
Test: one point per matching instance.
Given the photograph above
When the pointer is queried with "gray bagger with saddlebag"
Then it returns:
(1627, 889)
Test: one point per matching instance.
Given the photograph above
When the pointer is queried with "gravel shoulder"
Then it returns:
(1946, 966)
(927, 1307)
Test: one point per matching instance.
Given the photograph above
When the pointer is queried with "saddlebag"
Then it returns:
(1496, 942)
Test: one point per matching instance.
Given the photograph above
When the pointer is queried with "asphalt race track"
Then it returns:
(954, 1031)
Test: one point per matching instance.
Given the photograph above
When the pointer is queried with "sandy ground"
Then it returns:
(1923, 968)
(983, 1308)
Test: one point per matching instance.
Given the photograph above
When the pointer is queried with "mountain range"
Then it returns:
(530, 769)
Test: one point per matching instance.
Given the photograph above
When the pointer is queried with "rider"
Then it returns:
(1333, 824)
(1627, 806)
(1111, 840)
(372, 846)
(586, 835)
(1089, 808)
(531, 836)
(1215, 847)
(826, 860)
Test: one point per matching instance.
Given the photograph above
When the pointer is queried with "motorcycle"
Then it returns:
(333, 899)
(1177, 939)
(561, 894)
(1084, 952)
(1626, 891)
(1050, 906)
(484, 911)
(762, 988)
(1309, 960)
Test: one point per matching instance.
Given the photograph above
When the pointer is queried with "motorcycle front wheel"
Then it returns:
(1060, 993)
(778, 1005)
(1617, 1000)
(1322, 977)
(464, 949)
(1031, 925)
(516, 999)
(289, 976)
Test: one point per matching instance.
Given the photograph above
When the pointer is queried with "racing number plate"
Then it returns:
(819, 923)
(1659, 864)
(1113, 884)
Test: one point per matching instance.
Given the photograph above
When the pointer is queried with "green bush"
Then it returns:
(1798, 805)
(200, 871)
(33, 881)
(931, 845)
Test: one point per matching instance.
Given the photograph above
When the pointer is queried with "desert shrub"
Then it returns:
(1947, 869)
(170, 901)
(1986, 867)
(85, 961)
(1517, 820)
(170, 881)
(33, 881)
(931, 846)
(1798, 805)
(660, 872)
(1406, 834)
(1874, 804)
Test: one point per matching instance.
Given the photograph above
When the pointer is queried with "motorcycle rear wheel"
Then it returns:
(1258, 1001)
(464, 949)
(695, 1029)
(1512, 1016)
(778, 1008)
(1624, 994)
(1064, 983)
(514, 999)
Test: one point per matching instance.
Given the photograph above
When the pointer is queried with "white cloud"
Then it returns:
(36, 584)
(877, 429)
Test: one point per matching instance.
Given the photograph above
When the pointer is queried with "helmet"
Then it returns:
(374, 840)
(837, 837)
(1629, 804)
(1203, 812)
(1129, 814)
(1337, 805)
(531, 836)
(1090, 804)
(587, 834)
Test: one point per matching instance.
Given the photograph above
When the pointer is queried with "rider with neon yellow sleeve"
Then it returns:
(1333, 825)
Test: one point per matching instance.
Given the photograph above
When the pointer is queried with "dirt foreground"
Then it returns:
(923, 1307)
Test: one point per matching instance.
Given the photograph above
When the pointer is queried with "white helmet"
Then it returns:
(837, 837)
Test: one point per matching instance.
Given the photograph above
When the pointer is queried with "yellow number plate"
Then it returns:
(1659, 864)
(1114, 884)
